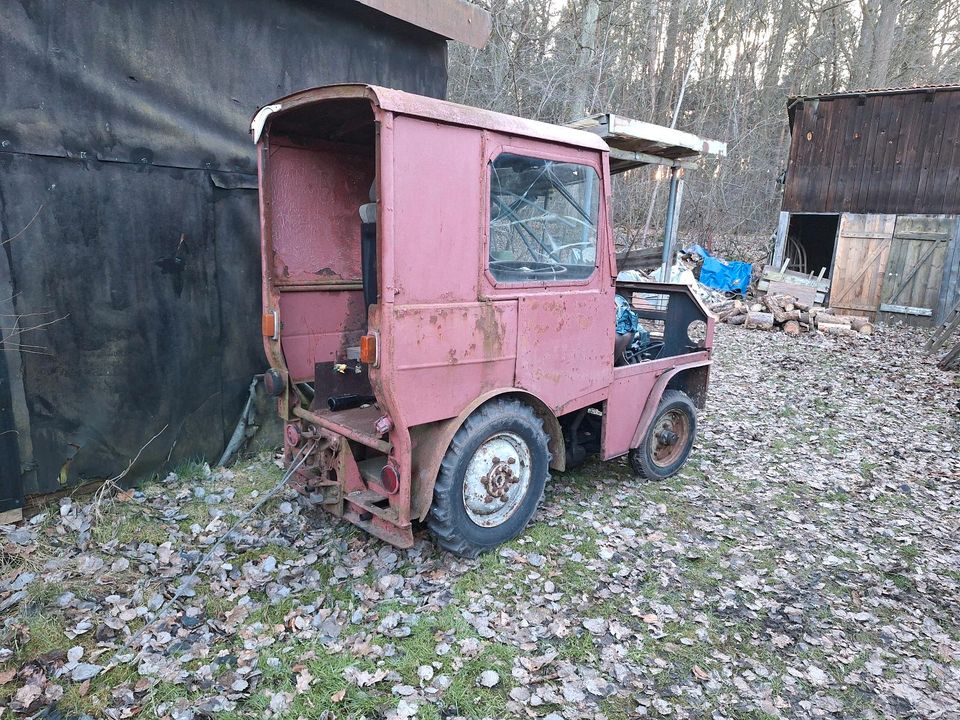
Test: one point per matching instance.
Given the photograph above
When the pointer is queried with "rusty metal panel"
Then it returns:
(441, 357)
(404, 103)
(314, 196)
(436, 211)
(565, 344)
(628, 393)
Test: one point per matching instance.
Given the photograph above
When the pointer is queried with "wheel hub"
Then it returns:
(668, 441)
(496, 479)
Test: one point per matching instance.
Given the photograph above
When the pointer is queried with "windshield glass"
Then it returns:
(543, 219)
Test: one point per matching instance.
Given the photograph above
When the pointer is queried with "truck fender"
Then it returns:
(430, 442)
(656, 393)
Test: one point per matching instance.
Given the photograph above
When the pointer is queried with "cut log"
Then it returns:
(835, 329)
(792, 314)
(760, 320)
(846, 318)
(756, 307)
(864, 328)
(802, 306)
(727, 314)
(737, 320)
(773, 306)
(832, 320)
(791, 327)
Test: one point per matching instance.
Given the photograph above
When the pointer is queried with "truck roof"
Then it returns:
(404, 103)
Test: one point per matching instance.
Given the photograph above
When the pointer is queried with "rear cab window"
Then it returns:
(543, 220)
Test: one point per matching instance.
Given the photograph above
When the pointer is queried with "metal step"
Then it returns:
(400, 536)
(368, 499)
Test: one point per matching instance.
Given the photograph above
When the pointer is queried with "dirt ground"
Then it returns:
(804, 564)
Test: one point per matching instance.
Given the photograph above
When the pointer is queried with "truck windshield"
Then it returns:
(543, 219)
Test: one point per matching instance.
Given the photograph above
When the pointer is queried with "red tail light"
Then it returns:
(390, 478)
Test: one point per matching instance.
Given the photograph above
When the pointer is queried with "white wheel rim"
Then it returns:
(497, 479)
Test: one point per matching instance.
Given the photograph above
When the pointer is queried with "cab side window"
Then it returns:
(543, 219)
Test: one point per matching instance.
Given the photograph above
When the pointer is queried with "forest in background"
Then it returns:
(724, 69)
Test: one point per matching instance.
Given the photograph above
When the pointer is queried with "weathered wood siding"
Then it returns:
(863, 246)
(896, 152)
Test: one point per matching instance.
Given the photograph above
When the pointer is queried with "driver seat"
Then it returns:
(620, 346)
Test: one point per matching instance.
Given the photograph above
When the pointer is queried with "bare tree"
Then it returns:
(558, 59)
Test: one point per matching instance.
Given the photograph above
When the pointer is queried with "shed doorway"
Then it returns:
(811, 243)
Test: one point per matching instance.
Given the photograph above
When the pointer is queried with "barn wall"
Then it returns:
(123, 127)
(881, 153)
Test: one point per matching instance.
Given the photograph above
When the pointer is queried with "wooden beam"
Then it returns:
(627, 127)
(454, 19)
(906, 310)
(638, 158)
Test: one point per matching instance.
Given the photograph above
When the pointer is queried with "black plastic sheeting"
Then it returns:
(123, 129)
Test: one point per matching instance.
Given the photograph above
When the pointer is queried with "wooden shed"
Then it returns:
(872, 200)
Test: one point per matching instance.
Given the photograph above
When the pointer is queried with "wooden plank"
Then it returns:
(867, 168)
(860, 261)
(933, 141)
(851, 155)
(901, 153)
(893, 109)
(917, 258)
(11, 517)
(948, 173)
(943, 333)
(803, 293)
(906, 310)
(938, 191)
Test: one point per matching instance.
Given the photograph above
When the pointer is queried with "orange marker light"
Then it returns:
(369, 352)
(269, 325)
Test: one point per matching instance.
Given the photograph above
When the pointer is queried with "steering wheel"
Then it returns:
(511, 265)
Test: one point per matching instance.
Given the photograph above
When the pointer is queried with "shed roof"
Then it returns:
(634, 143)
(403, 103)
(875, 91)
(453, 19)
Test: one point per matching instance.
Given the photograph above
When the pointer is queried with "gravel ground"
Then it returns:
(803, 564)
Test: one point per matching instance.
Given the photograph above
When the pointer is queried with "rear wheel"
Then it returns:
(669, 439)
(491, 479)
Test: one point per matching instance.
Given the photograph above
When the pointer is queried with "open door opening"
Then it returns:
(320, 244)
(811, 243)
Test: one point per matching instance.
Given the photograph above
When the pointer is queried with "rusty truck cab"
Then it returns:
(425, 263)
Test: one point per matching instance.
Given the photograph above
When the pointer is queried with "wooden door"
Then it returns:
(918, 254)
(863, 246)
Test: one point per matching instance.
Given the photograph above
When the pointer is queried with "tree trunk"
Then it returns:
(579, 100)
(883, 47)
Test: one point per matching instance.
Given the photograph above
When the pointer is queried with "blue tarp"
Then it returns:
(723, 275)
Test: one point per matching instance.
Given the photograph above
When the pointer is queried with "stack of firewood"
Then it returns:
(790, 315)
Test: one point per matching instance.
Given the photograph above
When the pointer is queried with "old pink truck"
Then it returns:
(440, 314)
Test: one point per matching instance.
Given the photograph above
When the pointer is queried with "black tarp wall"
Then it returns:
(123, 128)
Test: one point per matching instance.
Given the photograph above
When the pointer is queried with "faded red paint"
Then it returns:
(450, 337)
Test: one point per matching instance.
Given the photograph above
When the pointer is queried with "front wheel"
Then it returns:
(669, 439)
(491, 479)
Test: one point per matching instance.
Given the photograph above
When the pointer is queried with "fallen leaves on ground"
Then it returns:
(803, 564)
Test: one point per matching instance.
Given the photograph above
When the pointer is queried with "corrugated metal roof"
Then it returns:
(875, 91)
(404, 103)
(454, 19)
